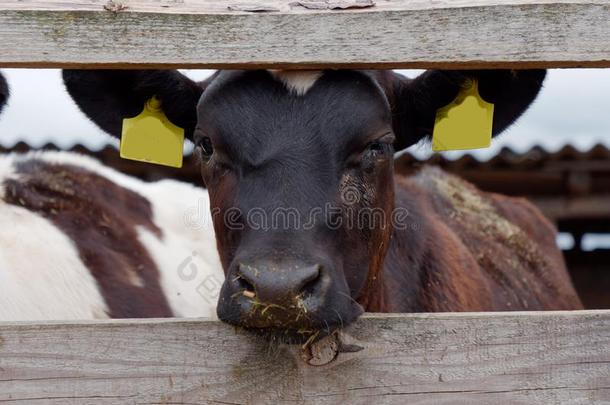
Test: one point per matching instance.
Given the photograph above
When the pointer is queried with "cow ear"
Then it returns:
(414, 102)
(109, 96)
(3, 92)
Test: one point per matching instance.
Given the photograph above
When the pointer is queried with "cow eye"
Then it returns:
(378, 148)
(381, 146)
(204, 148)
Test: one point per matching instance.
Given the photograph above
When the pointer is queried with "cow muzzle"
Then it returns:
(285, 297)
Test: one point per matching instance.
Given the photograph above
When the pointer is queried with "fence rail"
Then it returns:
(391, 34)
(529, 358)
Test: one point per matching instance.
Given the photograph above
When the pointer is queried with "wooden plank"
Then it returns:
(392, 34)
(528, 358)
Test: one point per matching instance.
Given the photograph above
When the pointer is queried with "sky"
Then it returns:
(573, 108)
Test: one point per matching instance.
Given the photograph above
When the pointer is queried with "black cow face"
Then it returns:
(299, 170)
(301, 180)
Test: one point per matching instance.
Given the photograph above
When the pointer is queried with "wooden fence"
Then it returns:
(529, 358)
(393, 33)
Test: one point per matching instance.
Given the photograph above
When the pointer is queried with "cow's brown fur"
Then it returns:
(100, 217)
(475, 251)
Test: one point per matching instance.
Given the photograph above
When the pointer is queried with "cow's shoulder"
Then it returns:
(508, 237)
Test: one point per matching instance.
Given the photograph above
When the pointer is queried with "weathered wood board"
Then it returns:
(391, 34)
(503, 358)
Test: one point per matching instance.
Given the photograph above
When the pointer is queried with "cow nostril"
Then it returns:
(245, 287)
(311, 282)
(271, 283)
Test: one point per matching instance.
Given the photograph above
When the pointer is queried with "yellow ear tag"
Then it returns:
(466, 123)
(151, 137)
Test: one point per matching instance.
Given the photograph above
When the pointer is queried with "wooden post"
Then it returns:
(529, 358)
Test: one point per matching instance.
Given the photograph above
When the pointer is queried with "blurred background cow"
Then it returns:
(79, 240)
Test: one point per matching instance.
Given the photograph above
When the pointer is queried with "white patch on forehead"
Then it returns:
(298, 81)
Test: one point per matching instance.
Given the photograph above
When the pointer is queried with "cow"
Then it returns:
(312, 225)
(81, 241)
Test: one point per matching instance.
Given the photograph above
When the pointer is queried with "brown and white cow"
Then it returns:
(312, 226)
(81, 241)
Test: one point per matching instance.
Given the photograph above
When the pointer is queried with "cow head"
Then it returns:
(299, 167)
(3, 92)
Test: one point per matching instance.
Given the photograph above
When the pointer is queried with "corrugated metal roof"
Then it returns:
(506, 157)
